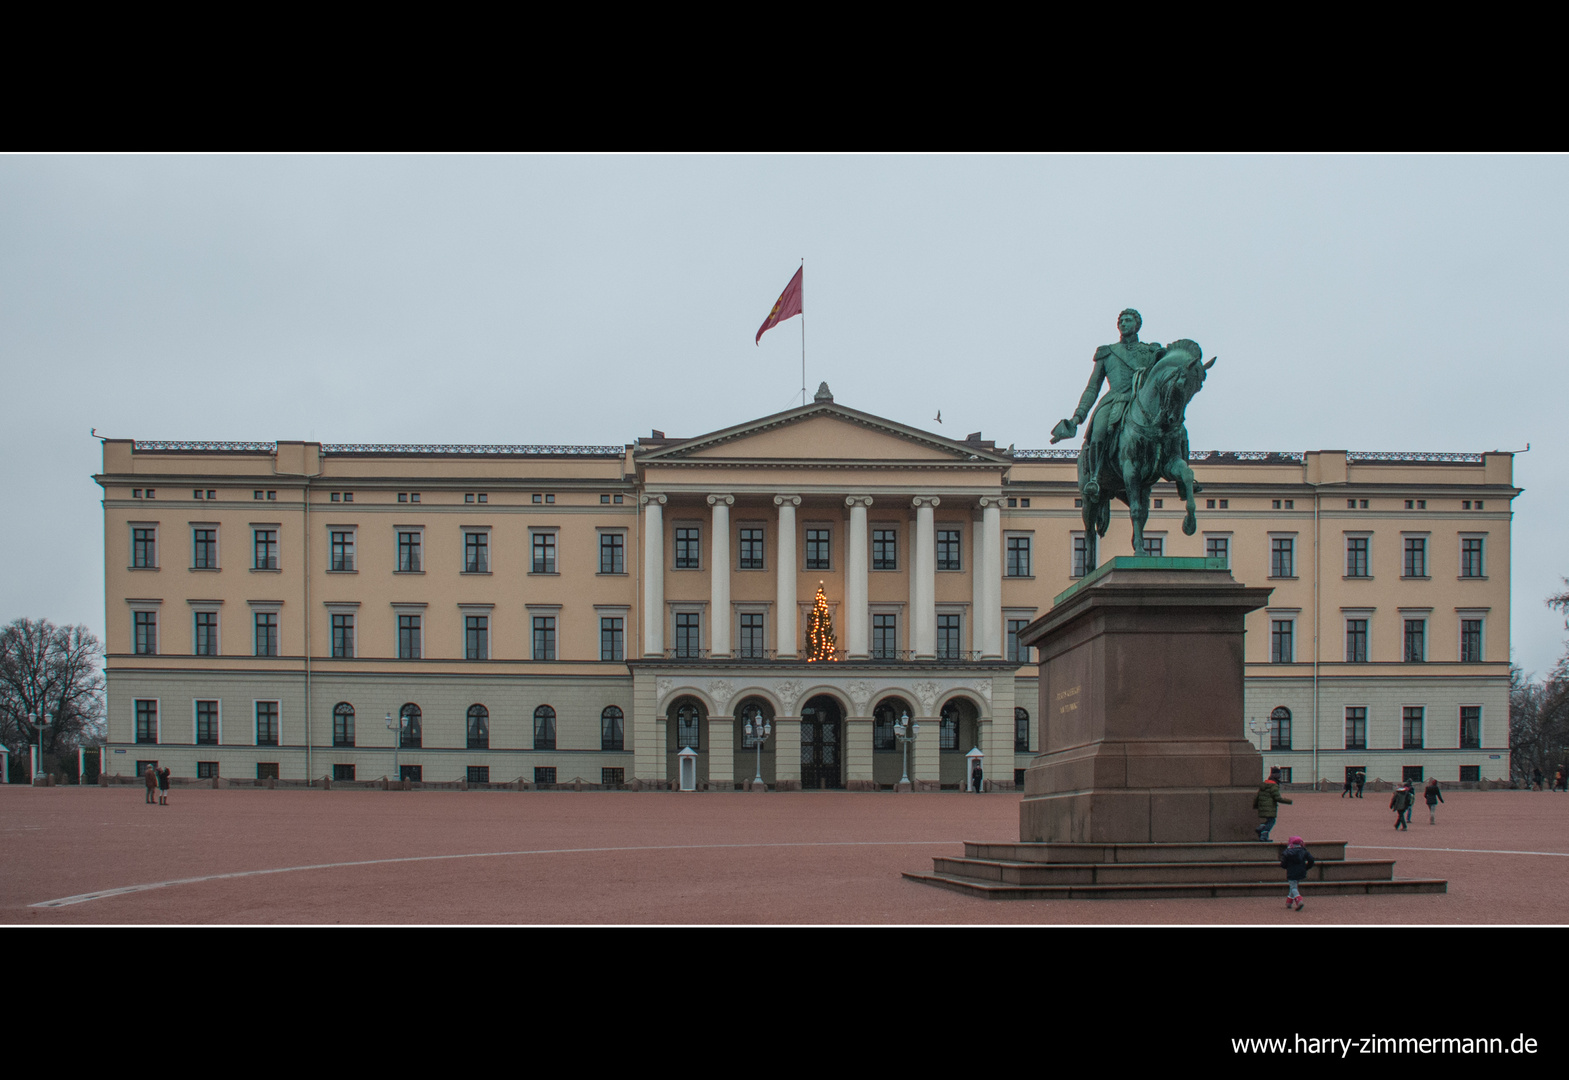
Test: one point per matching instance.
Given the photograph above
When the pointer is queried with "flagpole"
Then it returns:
(803, 329)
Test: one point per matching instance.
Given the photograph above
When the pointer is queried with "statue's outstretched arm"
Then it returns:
(1066, 429)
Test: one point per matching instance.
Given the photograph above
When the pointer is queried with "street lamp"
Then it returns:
(38, 762)
(397, 741)
(906, 732)
(763, 729)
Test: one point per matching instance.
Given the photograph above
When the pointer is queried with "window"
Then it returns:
(410, 637)
(478, 728)
(613, 776)
(204, 549)
(1282, 557)
(1282, 648)
(409, 543)
(1021, 729)
(544, 774)
(1471, 556)
(885, 549)
(819, 549)
(751, 643)
(1018, 559)
(885, 637)
(544, 553)
(612, 729)
(410, 737)
(1416, 641)
(948, 729)
(206, 636)
(475, 496)
(1154, 546)
(1280, 729)
(266, 723)
(545, 730)
(266, 633)
(756, 715)
(1356, 727)
(144, 549)
(1015, 653)
(206, 723)
(1285, 774)
(948, 550)
(343, 726)
(1470, 641)
(412, 773)
(1218, 547)
(476, 552)
(268, 770)
(612, 553)
(689, 555)
(1470, 727)
(206, 770)
(1415, 564)
(146, 721)
(1081, 555)
(341, 558)
(544, 637)
(343, 637)
(265, 544)
(751, 548)
(689, 634)
(1411, 727)
(612, 640)
(689, 727)
(146, 632)
(476, 637)
(478, 774)
(1470, 774)
(948, 640)
(884, 718)
(1356, 556)
(1356, 641)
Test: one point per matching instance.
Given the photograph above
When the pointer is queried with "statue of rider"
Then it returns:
(1116, 365)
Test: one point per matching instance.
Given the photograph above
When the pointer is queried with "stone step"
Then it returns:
(1151, 873)
(1076, 854)
(1175, 890)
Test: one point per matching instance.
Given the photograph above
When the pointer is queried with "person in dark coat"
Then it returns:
(1296, 860)
(1536, 779)
(1351, 779)
(152, 785)
(975, 776)
(1361, 780)
(163, 786)
(1400, 802)
(1433, 797)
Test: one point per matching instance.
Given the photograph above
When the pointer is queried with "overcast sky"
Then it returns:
(1364, 303)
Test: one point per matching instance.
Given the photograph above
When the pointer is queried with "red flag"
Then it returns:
(788, 304)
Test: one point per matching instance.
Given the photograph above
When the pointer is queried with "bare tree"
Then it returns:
(1560, 602)
(50, 671)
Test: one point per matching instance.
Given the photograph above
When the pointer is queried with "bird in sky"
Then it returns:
(939, 416)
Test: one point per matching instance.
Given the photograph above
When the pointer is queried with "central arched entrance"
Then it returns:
(822, 744)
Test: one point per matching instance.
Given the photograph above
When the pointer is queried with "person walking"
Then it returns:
(975, 777)
(1351, 778)
(1536, 779)
(1296, 860)
(152, 785)
(1361, 780)
(1267, 803)
(163, 786)
(1400, 802)
(1561, 780)
(1433, 796)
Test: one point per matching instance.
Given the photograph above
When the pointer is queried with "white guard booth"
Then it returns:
(971, 759)
(688, 769)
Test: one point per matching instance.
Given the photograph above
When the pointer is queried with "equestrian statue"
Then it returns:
(1136, 435)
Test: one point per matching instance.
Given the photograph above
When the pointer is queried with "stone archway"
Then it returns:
(686, 725)
(822, 743)
(958, 730)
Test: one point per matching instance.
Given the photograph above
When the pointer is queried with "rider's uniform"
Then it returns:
(1116, 365)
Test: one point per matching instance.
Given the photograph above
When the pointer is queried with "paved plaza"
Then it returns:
(241, 856)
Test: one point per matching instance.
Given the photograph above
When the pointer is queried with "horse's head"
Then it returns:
(1173, 380)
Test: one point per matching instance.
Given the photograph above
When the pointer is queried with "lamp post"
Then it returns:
(906, 732)
(763, 729)
(38, 762)
(397, 741)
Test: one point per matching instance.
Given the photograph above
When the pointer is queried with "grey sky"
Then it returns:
(1383, 303)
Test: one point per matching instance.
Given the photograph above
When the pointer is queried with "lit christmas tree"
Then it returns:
(820, 644)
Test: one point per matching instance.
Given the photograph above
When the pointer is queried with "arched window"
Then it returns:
(612, 729)
(408, 727)
(689, 719)
(343, 724)
(884, 717)
(948, 734)
(544, 728)
(1021, 729)
(479, 727)
(1280, 729)
(756, 713)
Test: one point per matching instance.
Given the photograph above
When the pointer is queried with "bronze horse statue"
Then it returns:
(1151, 444)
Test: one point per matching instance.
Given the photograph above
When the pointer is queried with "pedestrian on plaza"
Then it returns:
(1296, 860)
(1400, 802)
(1267, 803)
(1361, 780)
(1561, 780)
(1433, 797)
(1536, 779)
(975, 777)
(1351, 779)
(163, 786)
(152, 785)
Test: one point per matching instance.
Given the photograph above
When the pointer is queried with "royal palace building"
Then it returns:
(561, 613)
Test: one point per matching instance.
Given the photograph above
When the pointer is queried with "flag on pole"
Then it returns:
(788, 304)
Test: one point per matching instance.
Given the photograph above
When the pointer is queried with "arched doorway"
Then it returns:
(958, 730)
(887, 755)
(686, 725)
(748, 760)
(822, 744)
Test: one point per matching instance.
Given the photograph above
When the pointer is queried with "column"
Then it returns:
(719, 577)
(785, 641)
(857, 641)
(986, 635)
(923, 582)
(653, 575)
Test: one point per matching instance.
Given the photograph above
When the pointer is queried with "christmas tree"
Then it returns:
(820, 644)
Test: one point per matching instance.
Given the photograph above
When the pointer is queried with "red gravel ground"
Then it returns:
(436, 857)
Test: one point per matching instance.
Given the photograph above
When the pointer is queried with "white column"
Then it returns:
(784, 600)
(923, 583)
(987, 636)
(653, 575)
(857, 638)
(719, 577)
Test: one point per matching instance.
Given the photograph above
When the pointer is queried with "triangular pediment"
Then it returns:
(822, 431)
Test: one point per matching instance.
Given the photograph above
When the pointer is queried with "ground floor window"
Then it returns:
(479, 774)
(206, 770)
(1411, 774)
(1470, 774)
(1285, 774)
(545, 774)
(143, 766)
(266, 770)
(343, 772)
(1018, 779)
(612, 776)
(415, 773)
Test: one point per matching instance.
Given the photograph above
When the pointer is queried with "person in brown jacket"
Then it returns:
(152, 785)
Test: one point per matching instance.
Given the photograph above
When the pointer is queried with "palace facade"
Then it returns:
(556, 613)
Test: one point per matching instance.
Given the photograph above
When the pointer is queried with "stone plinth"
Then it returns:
(1142, 732)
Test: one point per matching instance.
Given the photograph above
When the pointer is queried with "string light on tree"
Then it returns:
(820, 644)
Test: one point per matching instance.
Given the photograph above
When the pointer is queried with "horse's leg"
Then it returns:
(1091, 512)
(1138, 503)
(1179, 472)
